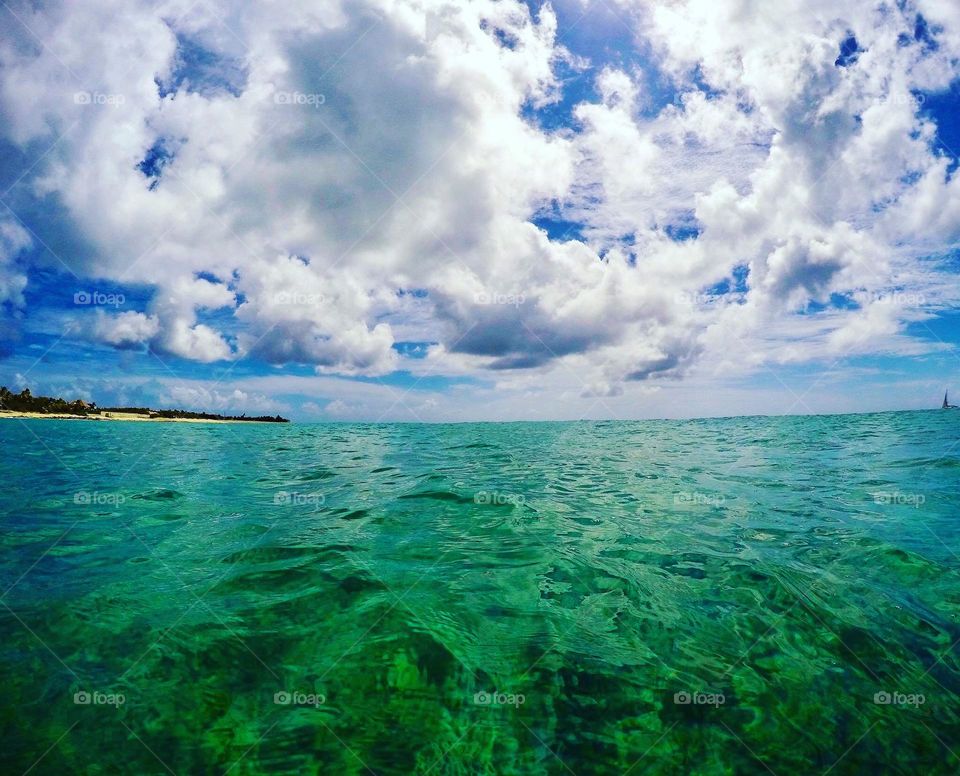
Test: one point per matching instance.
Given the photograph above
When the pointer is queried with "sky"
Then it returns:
(428, 210)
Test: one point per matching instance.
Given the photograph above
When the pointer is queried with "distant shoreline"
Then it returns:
(121, 417)
(26, 405)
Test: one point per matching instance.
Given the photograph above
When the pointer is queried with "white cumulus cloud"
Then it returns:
(336, 178)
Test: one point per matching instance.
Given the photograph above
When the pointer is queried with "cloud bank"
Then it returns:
(319, 185)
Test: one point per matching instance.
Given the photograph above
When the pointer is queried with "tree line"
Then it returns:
(46, 405)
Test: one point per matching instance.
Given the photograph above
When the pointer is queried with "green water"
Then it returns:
(777, 573)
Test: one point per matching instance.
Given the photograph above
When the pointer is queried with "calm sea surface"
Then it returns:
(744, 595)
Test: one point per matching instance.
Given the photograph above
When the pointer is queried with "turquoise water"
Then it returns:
(720, 596)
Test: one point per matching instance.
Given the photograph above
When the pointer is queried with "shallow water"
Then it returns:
(715, 596)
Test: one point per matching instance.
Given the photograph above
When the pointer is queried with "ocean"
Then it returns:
(742, 595)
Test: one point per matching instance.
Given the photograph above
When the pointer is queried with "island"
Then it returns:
(26, 405)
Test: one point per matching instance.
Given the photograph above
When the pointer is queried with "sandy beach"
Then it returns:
(118, 416)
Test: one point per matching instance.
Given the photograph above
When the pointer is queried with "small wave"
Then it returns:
(162, 494)
(437, 495)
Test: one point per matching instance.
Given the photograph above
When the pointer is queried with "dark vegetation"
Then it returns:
(27, 402)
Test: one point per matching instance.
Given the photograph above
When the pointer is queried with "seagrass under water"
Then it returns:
(709, 597)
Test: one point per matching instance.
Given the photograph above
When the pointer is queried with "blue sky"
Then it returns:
(498, 211)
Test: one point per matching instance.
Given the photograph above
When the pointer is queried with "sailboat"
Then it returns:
(946, 404)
